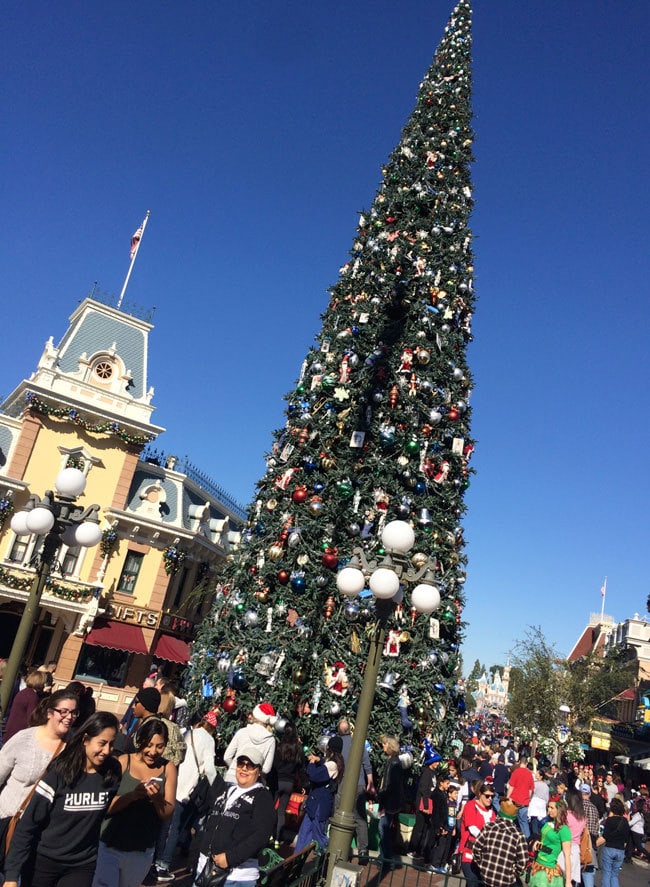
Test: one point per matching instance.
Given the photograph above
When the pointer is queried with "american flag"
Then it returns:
(135, 240)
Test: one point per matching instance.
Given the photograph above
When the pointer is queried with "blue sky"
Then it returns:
(255, 133)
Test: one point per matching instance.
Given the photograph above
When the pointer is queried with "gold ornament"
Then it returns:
(275, 552)
(419, 559)
(355, 643)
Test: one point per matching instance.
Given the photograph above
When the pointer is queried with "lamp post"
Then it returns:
(384, 580)
(60, 520)
(563, 730)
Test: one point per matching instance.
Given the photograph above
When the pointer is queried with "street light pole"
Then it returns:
(384, 581)
(342, 823)
(59, 520)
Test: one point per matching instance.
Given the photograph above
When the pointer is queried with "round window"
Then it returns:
(104, 370)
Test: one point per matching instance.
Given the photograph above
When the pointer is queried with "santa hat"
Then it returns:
(265, 713)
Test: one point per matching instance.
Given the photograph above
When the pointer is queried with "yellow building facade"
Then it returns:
(109, 613)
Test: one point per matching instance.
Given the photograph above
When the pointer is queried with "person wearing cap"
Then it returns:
(241, 821)
(501, 851)
(325, 773)
(258, 733)
(198, 764)
(423, 835)
(145, 706)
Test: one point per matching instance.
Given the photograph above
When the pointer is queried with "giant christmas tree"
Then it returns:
(377, 429)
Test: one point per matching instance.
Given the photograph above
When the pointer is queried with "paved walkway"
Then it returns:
(635, 874)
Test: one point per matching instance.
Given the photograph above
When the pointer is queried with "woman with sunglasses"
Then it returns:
(24, 757)
(555, 840)
(241, 821)
(55, 842)
(145, 799)
(477, 812)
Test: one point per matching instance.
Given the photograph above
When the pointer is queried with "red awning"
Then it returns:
(172, 649)
(630, 693)
(117, 636)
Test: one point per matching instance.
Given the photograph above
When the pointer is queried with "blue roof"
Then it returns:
(97, 332)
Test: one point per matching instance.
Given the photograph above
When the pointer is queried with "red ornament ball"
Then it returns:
(299, 494)
(229, 705)
(331, 559)
(283, 577)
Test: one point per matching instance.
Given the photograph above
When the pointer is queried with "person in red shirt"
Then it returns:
(477, 812)
(520, 790)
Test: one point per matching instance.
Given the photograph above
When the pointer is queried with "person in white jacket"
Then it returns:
(198, 762)
(258, 734)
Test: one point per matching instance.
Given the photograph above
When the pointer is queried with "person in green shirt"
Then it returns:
(555, 839)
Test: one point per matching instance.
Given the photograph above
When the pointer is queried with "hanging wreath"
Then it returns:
(174, 559)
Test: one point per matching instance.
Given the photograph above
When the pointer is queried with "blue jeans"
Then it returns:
(386, 823)
(588, 876)
(611, 861)
(168, 838)
(522, 820)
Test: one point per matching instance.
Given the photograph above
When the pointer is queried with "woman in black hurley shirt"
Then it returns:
(61, 822)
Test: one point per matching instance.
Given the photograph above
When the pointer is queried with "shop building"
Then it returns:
(110, 612)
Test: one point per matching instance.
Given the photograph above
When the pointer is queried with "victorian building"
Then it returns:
(107, 613)
(492, 695)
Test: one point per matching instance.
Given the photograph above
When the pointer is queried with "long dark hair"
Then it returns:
(48, 703)
(70, 765)
(148, 730)
(331, 755)
(289, 747)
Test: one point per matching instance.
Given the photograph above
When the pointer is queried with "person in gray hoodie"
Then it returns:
(258, 734)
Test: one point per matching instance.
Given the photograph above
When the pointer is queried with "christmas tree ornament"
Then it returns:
(335, 709)
(300, 676)
(298, 582)
(330, 558)
(299, 494)
(329, 607)
(315, 506)
(388, 681)
(321, 581)
(229, 704)
(336, 679)
(275, 552)
(283, 577)
(392, 643)
(354, 529)
(351, 611)
(239, 681)
(251, 618)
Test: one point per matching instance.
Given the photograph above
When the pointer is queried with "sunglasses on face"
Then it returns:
(246, 765)
(488, 794)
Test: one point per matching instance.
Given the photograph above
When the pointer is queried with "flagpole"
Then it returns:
(603, 592)
(135, 254)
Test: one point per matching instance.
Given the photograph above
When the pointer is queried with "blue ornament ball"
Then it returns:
(298, 584)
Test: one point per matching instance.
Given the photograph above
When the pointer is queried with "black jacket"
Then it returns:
(243, 830)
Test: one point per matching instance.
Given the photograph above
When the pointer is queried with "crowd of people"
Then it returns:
(97, 803)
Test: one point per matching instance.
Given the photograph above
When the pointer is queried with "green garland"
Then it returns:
(65, 592)
(113, 428)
